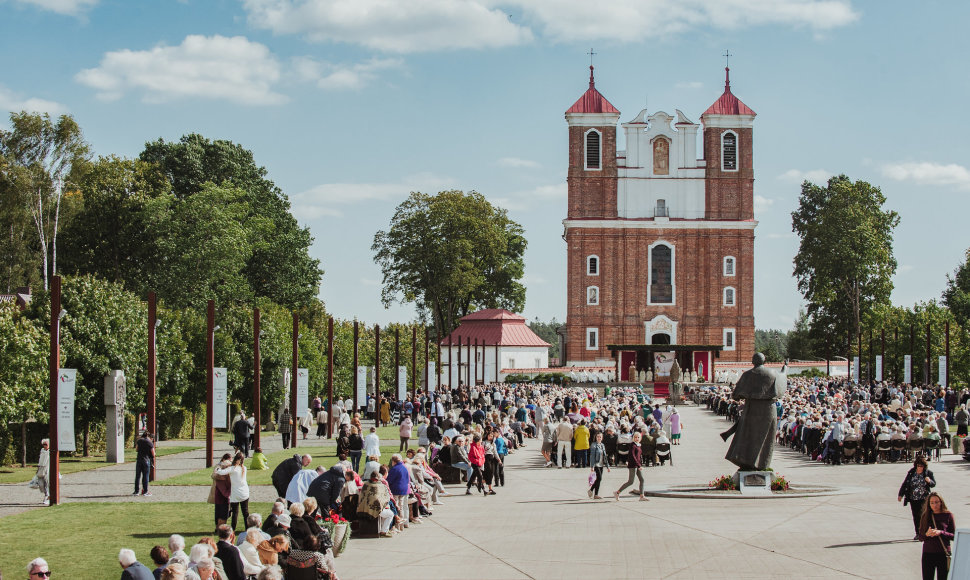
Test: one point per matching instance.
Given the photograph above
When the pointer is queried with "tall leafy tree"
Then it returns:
(450, 254)
(844, 265)
(43, 159)
(23, 372)
(279, 266)
(20, 258)
(956, 296)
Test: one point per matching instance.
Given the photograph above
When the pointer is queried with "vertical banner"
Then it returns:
(362, 387)
(66, 384)
(855, 369)
(302, 392)
(942, 372)
(432, 377)
(402, 383)
(879, 367)
(908, 369)
(662, 363)
(220, 398)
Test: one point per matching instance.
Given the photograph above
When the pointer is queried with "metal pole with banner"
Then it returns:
(908, 369)
(402, 382)
(855, 369)
(941, 372)
(66, 384)
(302, 391)
(879, 367)
(432, 377)
(361, 394)
(220, 398)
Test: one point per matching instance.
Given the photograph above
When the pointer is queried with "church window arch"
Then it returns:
(661, 283)
(593, 150)
(730, 265)
(729, 151)
(661, 156)
(592, 265)
(729, 338)
(729, 298)
(592, 338)
(592, 296)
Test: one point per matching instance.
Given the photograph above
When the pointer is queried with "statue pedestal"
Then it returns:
(753, 482)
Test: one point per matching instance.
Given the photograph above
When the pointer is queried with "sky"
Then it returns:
(352, 104)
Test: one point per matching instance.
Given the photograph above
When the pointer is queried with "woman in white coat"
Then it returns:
(239, 488)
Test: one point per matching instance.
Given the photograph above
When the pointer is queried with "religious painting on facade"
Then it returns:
(661, 275)
(661, 157)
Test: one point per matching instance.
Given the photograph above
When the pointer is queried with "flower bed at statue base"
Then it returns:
(724, 483)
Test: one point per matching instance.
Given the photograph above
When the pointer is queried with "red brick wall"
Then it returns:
(592, 194)
(730, 194)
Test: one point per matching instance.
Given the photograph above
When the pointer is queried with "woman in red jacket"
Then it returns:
(476, 457)
(634, 464)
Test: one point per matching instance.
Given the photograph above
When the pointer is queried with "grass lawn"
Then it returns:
(11, 474)
(264, 477)
(81, 540)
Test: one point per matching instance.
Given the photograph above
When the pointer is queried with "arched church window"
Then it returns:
(729, 296)
(592, 266)
(593, 149)
(661, 274)
(729, 151)
(661, 157)
(729, 262)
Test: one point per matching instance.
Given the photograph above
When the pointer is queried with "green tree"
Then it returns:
(956, 296)
(548, 331)
(279, 266)
(23, 372)
(20, 258)
(450, 254)
(800, 344)
(844, 265)
(43, 159)
(772, 344)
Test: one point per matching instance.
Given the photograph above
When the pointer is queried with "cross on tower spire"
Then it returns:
(727, 69)
(592, 83)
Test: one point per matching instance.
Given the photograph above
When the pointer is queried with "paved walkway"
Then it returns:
(542, 525)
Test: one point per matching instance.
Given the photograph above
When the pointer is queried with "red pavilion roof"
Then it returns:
(592, 101)
(728, 104)
(494, 327)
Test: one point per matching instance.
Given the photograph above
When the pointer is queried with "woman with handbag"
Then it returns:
(915, 488)
(936, 531)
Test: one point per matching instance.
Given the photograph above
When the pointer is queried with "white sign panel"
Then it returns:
(302, 392)
(220, 398)
(362, 386)
(878, 367)
(66, 384)
(855, 369)
(402, 383)
(942, 372)
(432, 378)
(662, 362)
(908, 369)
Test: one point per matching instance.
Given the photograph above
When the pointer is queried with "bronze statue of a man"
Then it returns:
(754, 433)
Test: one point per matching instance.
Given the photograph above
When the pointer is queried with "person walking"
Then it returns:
(476, 459)
(936, 531)
(405, 431)
(634, 465)
(241, 431)
(598, 459)
(564, 437)
(322, 417)
(915, 488)
(143, 462)
(355, 446)
(675, 427)
(43, 467)
(286, 427)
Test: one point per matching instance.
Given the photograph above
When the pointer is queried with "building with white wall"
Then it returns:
(495, 341)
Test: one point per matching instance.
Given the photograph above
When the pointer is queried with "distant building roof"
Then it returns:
(495, 327)
(592, 101)
(728, 104)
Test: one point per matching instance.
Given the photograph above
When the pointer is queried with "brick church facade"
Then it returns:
(660, 240)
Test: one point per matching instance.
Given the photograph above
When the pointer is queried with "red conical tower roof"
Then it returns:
(592, 101)
(728, 104)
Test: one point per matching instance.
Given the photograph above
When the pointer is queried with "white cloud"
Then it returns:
(634, 20)
(818, 176)
(392, 25)
(66, 7)
(343, 76)
(517, 162)
(689, 85)
(927, 173)
(319, 201)
(762, 204)
(211, 67)
(11, 101)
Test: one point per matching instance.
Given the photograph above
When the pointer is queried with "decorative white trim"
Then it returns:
(593, 299)
(724, 296)
(734, 339)
(734, 266)
(728, 121)
(737, 151)
(653, 225)
(673, 273)
(660, 324)
(595, 333)
(592, 119)
(598, 265)
(585, 153)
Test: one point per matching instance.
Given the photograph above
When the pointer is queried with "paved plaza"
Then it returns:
(542, 525)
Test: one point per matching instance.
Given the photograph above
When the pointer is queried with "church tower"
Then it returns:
(659, 242)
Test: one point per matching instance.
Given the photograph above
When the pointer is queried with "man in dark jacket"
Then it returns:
(326, 488)
(285, 471)
(229, 554)
(240, 430)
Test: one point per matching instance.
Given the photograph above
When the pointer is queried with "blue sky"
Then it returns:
(351, 104)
